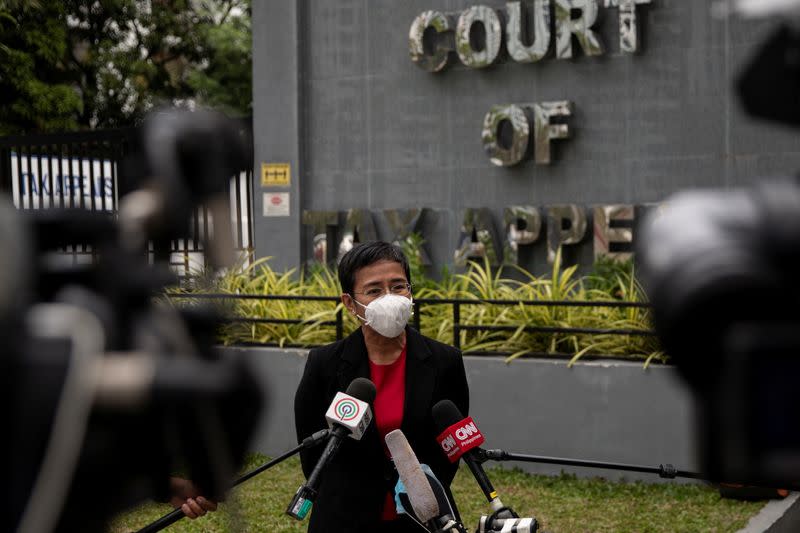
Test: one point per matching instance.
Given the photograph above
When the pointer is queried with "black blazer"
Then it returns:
(353, 485)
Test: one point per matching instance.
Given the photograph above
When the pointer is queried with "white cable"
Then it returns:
(58, 320)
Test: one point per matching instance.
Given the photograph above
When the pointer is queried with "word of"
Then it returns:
(507, 131)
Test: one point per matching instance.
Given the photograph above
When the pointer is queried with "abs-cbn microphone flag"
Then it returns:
(460, 438)
(350, 412)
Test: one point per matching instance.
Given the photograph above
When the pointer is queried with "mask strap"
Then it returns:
(356, 314)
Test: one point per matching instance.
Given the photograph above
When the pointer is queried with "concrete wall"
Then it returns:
(603, 411)
(336, 93)
(277, 123)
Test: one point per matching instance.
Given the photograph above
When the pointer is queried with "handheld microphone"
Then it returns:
(458, 438)
(426, 494)
(419, 491)
(348, 414)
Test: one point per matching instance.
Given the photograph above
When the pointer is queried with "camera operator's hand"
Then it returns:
(185, 496)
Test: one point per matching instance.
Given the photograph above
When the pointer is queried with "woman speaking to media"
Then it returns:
(411, 373)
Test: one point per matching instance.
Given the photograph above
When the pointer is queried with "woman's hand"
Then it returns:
(186, 496)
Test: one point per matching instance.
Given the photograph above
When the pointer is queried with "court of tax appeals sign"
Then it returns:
(478, 34)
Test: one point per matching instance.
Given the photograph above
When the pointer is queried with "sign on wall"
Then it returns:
(480, 35)
(276, 204)
(53, 181)
(276, 174)
(563, 225)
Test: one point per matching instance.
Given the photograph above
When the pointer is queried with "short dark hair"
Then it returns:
(364, 254)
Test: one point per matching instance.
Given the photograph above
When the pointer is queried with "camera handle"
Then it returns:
(173, 516)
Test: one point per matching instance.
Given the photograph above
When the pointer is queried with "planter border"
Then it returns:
(604, 410)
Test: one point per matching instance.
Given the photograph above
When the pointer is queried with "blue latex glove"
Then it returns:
(400, 488)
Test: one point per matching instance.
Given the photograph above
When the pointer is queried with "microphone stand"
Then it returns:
(173, 516)
(666, 471)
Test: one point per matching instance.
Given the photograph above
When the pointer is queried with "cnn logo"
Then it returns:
(448, 443)
(465, 432)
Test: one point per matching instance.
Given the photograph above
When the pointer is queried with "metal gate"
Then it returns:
(80, 170)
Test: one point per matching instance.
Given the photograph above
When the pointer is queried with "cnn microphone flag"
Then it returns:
(460, 438)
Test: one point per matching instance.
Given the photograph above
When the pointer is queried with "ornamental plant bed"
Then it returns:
(507, 302)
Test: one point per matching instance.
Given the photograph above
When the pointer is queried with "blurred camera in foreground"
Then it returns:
(107, 391)
(721, 270)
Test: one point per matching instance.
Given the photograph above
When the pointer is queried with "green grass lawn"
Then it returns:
(561, 504)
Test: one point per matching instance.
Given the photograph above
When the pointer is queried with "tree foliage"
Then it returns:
(35, 84)
(224, 78)
(76, 64)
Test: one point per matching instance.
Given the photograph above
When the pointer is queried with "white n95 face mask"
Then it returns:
(388, 315)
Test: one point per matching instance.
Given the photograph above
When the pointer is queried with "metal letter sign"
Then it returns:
(513, 150)
(358, 227)
(523, 223)
(567, 224)
(404, 222)
(557, 234)
(506, 156)
(605, 234)
(545, 131)
(566, 27)
(431, 60)
(479, 49)
(516, 31)
(473, 54)
(430, 50)
(628, 27)
(477, 240)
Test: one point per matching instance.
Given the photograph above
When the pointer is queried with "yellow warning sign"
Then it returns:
(276, 174)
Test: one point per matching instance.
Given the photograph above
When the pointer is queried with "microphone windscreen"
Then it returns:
(363, 389)
(423, 501)
(445, 414)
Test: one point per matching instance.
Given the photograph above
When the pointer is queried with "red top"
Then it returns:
(390, 384)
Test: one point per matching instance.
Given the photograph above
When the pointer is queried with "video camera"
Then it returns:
(721, 270)
(109, 391)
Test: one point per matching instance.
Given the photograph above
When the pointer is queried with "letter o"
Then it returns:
(506, 156)
(494, 36)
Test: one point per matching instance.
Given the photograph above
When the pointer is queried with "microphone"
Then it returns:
(348, 414)
(419, 491)
(459, 437)
(426, 494)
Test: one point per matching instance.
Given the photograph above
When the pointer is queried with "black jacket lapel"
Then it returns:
(420, 382)
(354, 363)
(353, 360)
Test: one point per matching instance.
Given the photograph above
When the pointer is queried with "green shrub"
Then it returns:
(609, 281)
